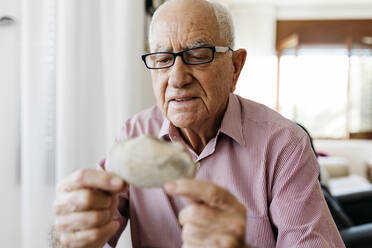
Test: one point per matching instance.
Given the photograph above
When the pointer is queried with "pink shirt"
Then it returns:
(262, 158)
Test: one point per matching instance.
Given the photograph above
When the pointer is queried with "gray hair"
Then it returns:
(224, 20)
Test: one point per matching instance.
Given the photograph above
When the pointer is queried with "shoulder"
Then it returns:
(262, 124)
(148, 121)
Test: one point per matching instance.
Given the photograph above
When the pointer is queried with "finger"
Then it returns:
(82, 200)
(91, 178)
(114, 204)
(194, 236)
(200, 214)
(206, 192)
(189, 201)
(188, 245)
(213, 219)
(224, 240)
(96, 237)
(82, 220)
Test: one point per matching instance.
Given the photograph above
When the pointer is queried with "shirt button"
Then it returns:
(198, 165)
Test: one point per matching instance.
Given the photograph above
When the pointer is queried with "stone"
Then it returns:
(147, 161)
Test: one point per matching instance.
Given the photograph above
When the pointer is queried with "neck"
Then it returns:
(198, 137)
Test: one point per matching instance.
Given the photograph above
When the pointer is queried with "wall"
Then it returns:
(9, 131)
(255, 31)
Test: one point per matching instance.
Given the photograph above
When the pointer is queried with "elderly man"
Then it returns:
(257, 184)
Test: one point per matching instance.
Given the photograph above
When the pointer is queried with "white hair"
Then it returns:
(224, 20)
(225, 23)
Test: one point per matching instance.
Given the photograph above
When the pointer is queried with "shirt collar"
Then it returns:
(164, 130)
(231, 124)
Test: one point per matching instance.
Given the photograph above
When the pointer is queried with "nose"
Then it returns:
(179, 74)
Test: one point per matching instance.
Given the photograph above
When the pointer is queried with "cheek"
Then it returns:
(159, 85)
(219, 85)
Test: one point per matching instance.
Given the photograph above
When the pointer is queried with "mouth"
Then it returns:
(184, 99)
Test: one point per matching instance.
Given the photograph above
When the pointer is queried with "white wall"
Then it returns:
(255, 31)
(9, 131)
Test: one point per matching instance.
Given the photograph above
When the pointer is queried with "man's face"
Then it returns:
(190, 95)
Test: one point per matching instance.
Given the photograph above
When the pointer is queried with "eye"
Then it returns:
(198, 55)
(163, 58)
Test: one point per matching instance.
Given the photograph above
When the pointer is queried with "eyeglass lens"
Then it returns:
(193, 56)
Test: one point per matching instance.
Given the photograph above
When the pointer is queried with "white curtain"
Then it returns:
(100, 76)
(82, 76)
(9, 125)
(37, 82)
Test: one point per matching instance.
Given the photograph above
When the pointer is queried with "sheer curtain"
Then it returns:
(81, 78)
(9, 124)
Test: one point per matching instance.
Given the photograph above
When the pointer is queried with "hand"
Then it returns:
(213, 217)
(84, 206)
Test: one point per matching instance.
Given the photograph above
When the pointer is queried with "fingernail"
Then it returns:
(170, 186)
(116, 182)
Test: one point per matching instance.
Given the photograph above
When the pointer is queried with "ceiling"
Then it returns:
(302, 2)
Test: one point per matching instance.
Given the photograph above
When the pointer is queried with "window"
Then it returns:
(361, 91)
(325, 76)
(313, 90)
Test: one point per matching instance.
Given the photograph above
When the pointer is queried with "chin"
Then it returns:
(184, 121)
(182, 124)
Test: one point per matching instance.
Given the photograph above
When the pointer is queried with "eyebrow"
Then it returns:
(197, 43)
(160, 48)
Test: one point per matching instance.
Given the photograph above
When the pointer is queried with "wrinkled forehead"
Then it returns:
(171, 38)
(182, 29)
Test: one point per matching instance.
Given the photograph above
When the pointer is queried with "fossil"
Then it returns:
(147, 161)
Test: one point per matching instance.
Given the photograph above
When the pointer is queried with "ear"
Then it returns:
(238, 58)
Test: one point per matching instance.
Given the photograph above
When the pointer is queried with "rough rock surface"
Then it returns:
(146, 161)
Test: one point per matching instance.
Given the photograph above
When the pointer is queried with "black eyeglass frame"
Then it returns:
(219, 49)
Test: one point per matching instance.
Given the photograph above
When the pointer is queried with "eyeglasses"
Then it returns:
(192, 56)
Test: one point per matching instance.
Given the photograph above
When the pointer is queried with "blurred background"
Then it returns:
(71, 74)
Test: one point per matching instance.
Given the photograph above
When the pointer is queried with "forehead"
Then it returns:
(174, 38)
(183, 28)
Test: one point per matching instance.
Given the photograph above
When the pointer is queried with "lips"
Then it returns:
(183, 98)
